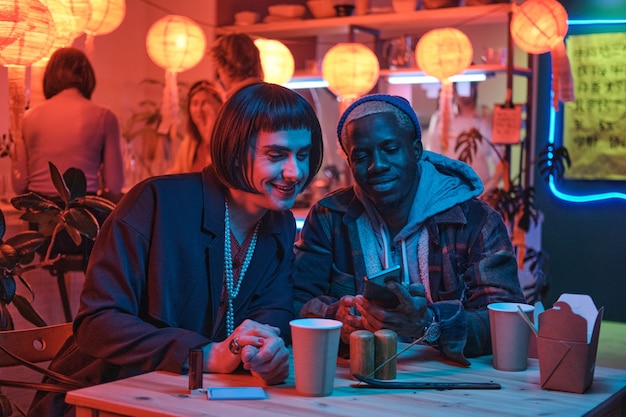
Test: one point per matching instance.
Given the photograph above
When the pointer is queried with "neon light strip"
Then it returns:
(426, 79)
(551, 183)
(302, 84)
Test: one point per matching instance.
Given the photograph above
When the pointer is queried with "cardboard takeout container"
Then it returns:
(568, 343)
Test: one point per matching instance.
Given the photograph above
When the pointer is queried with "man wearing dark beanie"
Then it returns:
(413, 209)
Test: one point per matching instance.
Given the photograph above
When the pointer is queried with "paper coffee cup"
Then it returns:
(509, 335)
(315, 346)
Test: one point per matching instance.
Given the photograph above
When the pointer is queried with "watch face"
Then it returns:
(432, 333)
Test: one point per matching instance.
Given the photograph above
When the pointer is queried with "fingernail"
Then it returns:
(260, 340)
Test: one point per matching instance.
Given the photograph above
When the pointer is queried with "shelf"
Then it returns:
(488, 70)
(422, 20)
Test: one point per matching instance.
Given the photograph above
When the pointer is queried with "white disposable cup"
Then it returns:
(509, 335)
(315, 346)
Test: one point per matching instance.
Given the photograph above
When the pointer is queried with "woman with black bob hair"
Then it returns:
(200, 260)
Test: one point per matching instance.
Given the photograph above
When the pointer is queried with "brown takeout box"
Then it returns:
(568, 343)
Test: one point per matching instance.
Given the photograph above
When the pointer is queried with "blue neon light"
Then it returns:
(552, 185)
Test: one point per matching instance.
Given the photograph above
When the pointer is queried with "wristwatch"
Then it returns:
(432, 332)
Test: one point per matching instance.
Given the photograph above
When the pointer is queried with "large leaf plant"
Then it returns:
(515, 200)
(74, 211)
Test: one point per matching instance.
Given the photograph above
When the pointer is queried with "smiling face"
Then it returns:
(279, 168)
(203, 108)
(382, 156)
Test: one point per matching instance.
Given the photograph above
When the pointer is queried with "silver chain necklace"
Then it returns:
(231, 291)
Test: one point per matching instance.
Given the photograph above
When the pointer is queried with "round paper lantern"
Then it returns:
(63, 23)
(276, 60)
(351, 70)
(175, 43)
(444, 52)
(106, 16)
(35, 42)
(13, 15)
(81, 13)
(538, 26)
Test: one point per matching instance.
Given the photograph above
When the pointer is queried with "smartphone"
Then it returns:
(375, 287)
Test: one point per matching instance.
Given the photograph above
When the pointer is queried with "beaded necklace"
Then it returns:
(231, 290)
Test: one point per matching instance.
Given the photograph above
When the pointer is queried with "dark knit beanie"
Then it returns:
(378, 103)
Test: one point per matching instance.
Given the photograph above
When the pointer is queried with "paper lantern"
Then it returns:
(351, 70)
(175, 43)
(13, 14)
(63, 23)
(106, 16)
(539, 26)
(276, 60)
(444, 52)
(81, 13)
(35, 42)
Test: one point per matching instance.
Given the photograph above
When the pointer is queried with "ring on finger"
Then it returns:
(234, 346)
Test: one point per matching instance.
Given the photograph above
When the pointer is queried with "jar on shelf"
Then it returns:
(439, 4)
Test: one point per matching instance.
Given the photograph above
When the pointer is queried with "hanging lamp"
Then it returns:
(351, 70)
(175, 43)
(442, 53)
(277, 61)
(106, 16)
(81, 13)
(35, 42)
(539, 26)
(13, 15)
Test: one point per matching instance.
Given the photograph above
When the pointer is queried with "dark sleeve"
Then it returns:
(313, 267)
(109, 325)
(490, 277)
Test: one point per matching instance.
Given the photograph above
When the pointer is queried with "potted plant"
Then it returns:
(515, 201)
(73, 211)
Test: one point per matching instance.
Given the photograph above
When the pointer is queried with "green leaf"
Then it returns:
(5, 406)
(95, 203)
(8, 256)
(46, 220)
(59, 183)
(25, 284)
(7, 288)
(74, 234)
(25, 308)
(6, 321)
(34, 202)
(3, 225)
(27, 242)
(76, 182)
(83, 221)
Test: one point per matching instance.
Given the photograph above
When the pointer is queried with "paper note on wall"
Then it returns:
(507, 125)
(594, 126)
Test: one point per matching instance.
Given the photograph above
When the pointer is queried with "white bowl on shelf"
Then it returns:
(321, 9)
(291, 11)
(246, 18)
(404, 6)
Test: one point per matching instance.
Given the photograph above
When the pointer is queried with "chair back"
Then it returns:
(38, 344)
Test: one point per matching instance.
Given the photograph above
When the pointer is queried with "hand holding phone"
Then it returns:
(375, 287)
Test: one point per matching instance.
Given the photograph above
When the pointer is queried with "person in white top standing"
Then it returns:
(468, 127)
(70, 131)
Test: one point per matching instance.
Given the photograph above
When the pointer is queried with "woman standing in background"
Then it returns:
(203, 103)
(237, 61)
(69, 130)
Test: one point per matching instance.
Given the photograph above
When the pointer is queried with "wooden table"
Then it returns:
(166, 394)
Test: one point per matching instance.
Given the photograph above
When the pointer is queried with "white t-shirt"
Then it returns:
(484, 161)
